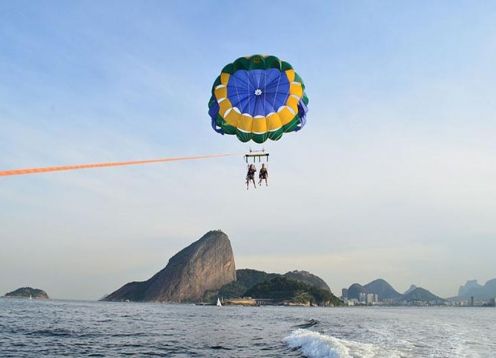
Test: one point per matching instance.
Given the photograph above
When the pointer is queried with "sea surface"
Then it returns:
(33, 328)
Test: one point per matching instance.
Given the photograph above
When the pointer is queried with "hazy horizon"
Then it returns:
(393, 177)
(285, 263)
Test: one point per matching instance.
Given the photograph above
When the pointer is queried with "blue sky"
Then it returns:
(392, 177)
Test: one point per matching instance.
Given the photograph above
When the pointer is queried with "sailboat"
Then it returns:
(218, 302)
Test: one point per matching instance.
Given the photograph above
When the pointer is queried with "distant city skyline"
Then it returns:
(393, 176)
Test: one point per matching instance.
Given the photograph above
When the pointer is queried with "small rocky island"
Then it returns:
(28, 292)
(205, 271)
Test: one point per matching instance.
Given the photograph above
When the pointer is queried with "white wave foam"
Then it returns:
(317, 345)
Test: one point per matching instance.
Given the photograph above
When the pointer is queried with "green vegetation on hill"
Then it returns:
(28, 292)
(308, 278)
(292, 287)
(286, 290)
(245, 279)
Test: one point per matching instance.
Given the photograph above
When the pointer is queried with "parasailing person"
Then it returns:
(250, 176)
(263, 174)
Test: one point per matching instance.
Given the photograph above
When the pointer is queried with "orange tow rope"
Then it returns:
(4, 173)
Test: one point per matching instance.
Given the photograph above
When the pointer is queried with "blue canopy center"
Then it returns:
(258, 92)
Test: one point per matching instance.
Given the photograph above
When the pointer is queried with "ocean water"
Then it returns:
(32, 328)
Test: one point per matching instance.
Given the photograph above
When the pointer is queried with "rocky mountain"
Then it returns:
(478, 291)
(285, 290)
(383, 290)
(308, 278)
(28, 292)
(207, 264)
(420, 294)
(469, 288)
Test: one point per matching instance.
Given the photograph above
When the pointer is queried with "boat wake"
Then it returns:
(316, 345)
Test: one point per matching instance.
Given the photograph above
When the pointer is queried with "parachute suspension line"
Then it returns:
(107, 164)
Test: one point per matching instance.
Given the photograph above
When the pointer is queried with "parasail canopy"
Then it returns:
(258, 98)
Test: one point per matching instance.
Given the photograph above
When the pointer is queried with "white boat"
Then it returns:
(30, 297)
(218, 302)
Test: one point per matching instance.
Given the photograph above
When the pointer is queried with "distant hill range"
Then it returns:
(386, 293)
(419, 294)
(383, 289)
(380, 287)
(28, 292)
(206, 270)
(480, 292)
